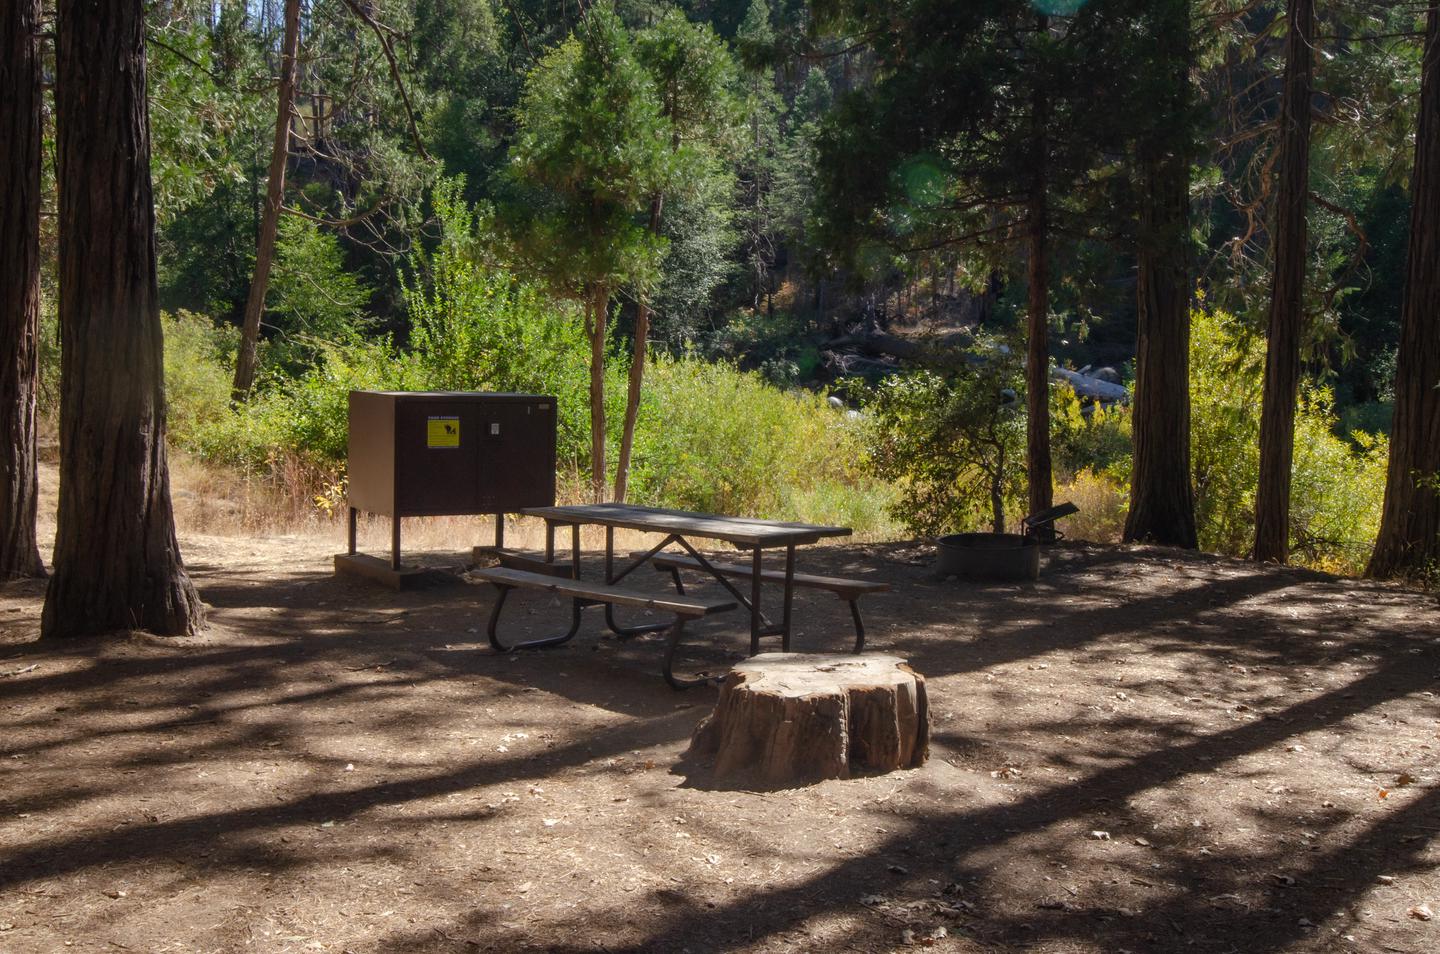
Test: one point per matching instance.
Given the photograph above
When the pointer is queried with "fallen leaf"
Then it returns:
(1100, 835)
(1385, 879)
(1421, 912)
(549, 822)
(1143, 843)
(1403, 779)
(898, 869)
(1384, 794)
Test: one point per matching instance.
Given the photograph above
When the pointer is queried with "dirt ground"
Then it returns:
(1143, 751)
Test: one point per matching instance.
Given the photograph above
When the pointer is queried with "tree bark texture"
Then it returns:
(598, 308)
(1037, 356)
(637, 372)
(784, 719)
(117, 562)
(1409, 538)
(1286, 325)
(270, 219)
(20, 131)
(1162, 505)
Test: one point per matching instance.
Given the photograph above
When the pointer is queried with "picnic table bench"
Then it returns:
(584, 593)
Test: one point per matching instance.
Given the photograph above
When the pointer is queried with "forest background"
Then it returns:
(478, 194)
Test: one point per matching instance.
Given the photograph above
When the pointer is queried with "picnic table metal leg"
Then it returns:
(789, 597)
(624, 632)
(677, 630)
(609, 554)
(543, 642)
(575, 550)
(745, 602)
(859, 625)
(755, 617)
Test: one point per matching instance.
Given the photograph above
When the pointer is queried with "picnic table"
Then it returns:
(678, 527)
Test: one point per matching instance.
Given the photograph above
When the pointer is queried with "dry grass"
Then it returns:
(297, 500)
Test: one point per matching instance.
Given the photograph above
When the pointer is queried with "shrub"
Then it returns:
(1094, 439)
(711, 437)
(314, 302)
(1103, 501)
(1337, 487)
(953, 445)
(199, 358)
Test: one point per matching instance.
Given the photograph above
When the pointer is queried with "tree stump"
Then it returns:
(790, 718)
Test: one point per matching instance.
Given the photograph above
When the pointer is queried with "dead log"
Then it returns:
(785, 719)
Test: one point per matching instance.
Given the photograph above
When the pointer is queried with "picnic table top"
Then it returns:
(742, 530)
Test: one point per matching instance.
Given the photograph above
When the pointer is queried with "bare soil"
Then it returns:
(1144, 751)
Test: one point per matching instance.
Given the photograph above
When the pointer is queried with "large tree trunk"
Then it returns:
(1287, 293)
(1162, 505)
(1409, 540)
(1037, 357)
(117, 563)
(637, 372)
(270, 219)
(19, 283)
(598, 311)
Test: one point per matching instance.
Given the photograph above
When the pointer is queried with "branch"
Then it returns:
(151, 37)
(334, 223)
(380, 34)
(1362, 247)
(520, 28)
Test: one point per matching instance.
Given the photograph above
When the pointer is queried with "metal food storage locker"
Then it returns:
(445, 453)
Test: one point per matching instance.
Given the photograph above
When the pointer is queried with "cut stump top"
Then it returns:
(793, 675)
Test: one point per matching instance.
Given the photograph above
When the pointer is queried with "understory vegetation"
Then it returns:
(929, 454)
(758, 199)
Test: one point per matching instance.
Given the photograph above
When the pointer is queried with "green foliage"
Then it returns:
(1093, 439)
(710, 437)
(1226, 382)
(588, 155)
(713, 438)
(953, 445)
(1337, 487)
(775, 343)
(475, 327)
(198, 362)
(694, 75)
(200, 109)
(312, 299)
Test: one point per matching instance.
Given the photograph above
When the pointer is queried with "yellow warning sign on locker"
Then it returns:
(442, 432)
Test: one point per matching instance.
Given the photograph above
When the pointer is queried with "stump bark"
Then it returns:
(791, 718)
